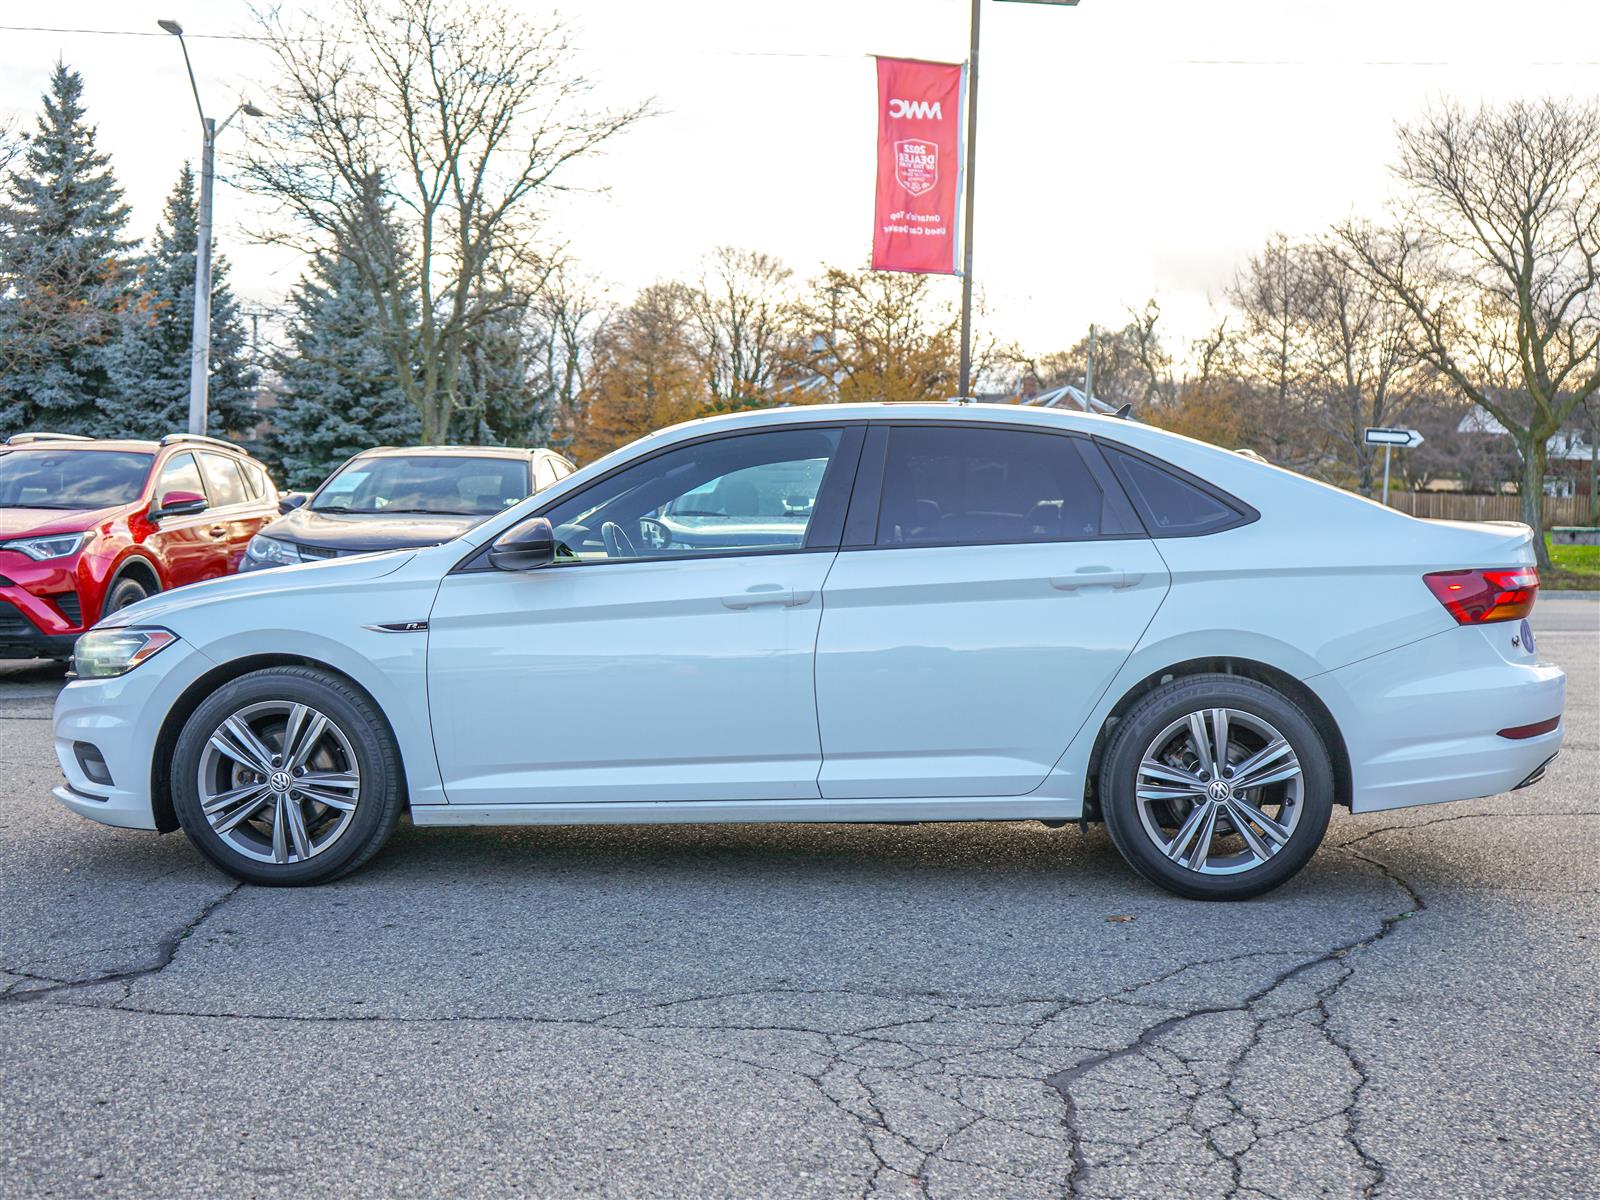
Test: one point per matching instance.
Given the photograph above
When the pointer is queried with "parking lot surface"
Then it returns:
(933, 1011)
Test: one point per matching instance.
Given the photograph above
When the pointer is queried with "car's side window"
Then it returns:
(977, 485)
(1169, 504)
(752, 493)
(544, 474)
(224, 482)
(179, 475)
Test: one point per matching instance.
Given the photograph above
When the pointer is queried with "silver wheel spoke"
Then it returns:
(331, 799)
(280, 840)
(1186, 832)
(246, 737)
(309, 737)
(296, 821)
(231, 797)
(1260, 762)
(1202, 849)
(1201, 739)
(243, 813)
(291, 733)
(1247, 814)
(1220, 733)
(223, 741)
(1169, 774)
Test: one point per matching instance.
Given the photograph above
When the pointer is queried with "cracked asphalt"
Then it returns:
(926, 1011)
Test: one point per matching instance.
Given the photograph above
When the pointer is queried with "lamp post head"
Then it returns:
(250, 110)
(171, 27)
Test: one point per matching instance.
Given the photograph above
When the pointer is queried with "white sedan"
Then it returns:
(851, 613)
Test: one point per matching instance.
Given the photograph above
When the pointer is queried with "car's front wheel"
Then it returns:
(287, 776)
(1216, 787)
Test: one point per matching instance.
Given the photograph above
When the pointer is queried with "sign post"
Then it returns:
(1389, 439)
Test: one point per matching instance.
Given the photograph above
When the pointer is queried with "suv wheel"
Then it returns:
(287, 776)
(123, 593)
(1216, 787)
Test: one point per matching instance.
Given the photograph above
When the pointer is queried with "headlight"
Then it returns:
(57, 545)
(102, 653)
(263, 549)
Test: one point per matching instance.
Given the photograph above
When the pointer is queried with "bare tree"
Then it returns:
(744, 309)
(465, 115)
(1495, 256)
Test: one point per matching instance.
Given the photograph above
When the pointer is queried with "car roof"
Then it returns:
(884, 410)
(139, 445)
(449, 451)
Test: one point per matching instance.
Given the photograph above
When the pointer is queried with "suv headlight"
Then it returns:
(263, 549)
(103, 653)
(57, 545)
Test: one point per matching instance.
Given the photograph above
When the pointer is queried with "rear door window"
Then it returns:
(1172, 503)
(975, 485)
(225, 483)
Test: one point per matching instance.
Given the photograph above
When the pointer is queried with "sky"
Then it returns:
(1127, 149)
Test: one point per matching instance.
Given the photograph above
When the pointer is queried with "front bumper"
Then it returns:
(1421, 723)
(121, 718)
(31, 624)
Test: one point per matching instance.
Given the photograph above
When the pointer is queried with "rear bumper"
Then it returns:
(1422, 722)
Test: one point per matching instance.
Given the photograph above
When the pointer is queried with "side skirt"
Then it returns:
(1003, 808)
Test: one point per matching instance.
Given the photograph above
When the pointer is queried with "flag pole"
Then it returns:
(970, 170)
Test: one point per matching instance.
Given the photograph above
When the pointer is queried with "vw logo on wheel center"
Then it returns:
(1219, 790)
(279, 782)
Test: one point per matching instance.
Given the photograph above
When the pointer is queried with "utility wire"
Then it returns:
(1189, 62)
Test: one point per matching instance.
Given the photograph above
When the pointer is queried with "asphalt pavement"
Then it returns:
(924, 1011)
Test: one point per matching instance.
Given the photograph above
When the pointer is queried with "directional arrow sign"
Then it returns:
(1393, 437)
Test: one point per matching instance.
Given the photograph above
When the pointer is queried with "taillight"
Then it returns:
(1478, 597)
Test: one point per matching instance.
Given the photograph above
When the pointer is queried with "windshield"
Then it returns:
(71, 478)
(454, 485)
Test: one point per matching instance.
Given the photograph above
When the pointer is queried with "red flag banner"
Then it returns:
(919, 166)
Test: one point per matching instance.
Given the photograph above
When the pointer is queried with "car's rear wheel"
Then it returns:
(287, 776)
(1216, 787)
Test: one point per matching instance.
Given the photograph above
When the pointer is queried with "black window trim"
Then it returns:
(849, 450)
(1245, 514)
(872, 502)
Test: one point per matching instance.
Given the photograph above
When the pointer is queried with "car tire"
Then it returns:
(1170, 802)
(124, 592)
(287, 815)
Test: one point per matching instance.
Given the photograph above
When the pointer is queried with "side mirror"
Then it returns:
(177, 504)
(290, 501)
(524, 547)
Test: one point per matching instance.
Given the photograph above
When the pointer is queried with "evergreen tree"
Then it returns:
(64, 271)
(338, 391)
(148, 364)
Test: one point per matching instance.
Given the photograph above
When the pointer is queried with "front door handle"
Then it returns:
(766, 593)
(217, 531)
(1088, 577)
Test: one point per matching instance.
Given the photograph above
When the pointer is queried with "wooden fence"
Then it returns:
(1455, 506)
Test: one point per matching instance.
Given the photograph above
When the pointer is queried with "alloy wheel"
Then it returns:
(279, 782)
(1220, 791)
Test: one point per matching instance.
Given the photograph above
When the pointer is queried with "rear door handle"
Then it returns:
(1088, 577)
(767, 593)
(217, 531)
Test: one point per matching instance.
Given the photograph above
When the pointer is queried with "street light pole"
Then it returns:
(970, 200)
(200, 336)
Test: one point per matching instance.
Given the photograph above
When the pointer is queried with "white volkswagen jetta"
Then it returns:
(852, 613)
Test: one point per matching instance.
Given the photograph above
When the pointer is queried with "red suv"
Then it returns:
(89, 526)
